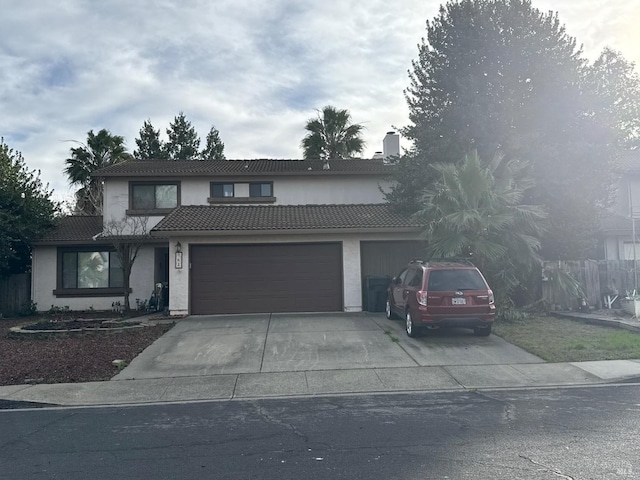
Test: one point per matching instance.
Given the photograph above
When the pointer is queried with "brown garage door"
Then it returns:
(388, 257)
(266, 278)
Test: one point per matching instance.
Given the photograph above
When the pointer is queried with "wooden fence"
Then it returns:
(15, 293)
(597, 278)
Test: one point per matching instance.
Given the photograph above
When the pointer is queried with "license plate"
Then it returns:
(458, 301)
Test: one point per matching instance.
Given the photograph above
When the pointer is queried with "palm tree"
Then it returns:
(101, 150)
(332, 135)
(474, 210)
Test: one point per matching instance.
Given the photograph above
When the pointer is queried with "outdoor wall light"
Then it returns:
(178, 263)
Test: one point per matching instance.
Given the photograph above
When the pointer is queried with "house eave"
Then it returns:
(307, 231)
(243, 175)
(157, 239)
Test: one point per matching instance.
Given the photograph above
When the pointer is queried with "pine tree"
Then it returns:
(183, 141)
(214, 148)
(150, 146)
(501, 76)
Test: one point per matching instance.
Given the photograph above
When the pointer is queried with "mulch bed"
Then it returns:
(70, 359)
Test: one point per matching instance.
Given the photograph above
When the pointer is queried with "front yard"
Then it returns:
(83, 358)
(563, 340)
(89, 357)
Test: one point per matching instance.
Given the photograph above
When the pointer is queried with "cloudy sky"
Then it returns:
(256, 69)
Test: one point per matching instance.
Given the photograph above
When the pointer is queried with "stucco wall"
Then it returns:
(294, 190)
(352, 282)
(352, 285)
(44, 282)
(116, 198)
(611, 251)
(43, 278)
(116, 202)
(328, 190)
(614, 247)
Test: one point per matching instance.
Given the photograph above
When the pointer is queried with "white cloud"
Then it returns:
(255, 69)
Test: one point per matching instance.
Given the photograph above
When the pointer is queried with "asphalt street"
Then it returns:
(560, 433)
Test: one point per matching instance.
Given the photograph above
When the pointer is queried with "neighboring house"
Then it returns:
(233, 236)
(623, 221)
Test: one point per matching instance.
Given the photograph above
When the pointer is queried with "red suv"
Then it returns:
(434, 294)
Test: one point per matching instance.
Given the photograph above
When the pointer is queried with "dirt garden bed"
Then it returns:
(61, 358)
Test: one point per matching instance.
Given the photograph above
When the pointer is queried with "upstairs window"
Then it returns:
(154, 196)
(222, 190)
(261, 189)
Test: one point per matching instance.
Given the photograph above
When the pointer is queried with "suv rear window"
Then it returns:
(458, 279)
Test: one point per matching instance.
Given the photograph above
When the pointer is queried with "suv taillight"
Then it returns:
(421, 296)
(491, 299)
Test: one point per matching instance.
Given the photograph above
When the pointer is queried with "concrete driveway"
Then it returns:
(264, 343)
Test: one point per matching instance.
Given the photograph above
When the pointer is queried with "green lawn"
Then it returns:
(562, 340)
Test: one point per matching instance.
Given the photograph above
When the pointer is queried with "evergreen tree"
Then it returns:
(183, 141)
(150, 147)
(499, 75)
(214, 148)
(26, 211)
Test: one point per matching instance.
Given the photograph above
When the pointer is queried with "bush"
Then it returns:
(511, 315)
(29, 309)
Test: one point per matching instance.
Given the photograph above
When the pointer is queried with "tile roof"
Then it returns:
(619, 223)
(629, 162)
(165, 168)
(245, 218)
(74, 228)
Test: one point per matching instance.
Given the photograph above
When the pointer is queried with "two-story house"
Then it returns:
(233, 236)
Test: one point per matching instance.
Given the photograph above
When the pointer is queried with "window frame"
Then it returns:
(223, 184)
(61, 291)
(155, 183)
(251, 184)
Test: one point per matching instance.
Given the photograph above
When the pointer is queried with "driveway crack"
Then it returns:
(264, 345)
(555, 471)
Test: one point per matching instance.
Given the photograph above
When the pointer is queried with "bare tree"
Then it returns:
(127, 237)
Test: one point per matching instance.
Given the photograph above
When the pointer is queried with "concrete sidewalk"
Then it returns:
(326, 382)
(282, 355)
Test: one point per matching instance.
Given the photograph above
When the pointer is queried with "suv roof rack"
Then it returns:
(462, 260)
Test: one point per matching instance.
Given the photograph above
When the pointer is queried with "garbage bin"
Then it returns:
(375, 292)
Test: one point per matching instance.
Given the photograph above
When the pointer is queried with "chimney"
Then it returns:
(377, 156)
(391, 145)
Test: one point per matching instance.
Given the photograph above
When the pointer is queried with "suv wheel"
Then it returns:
(388, 312)
(412, 330)
(482, 331)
